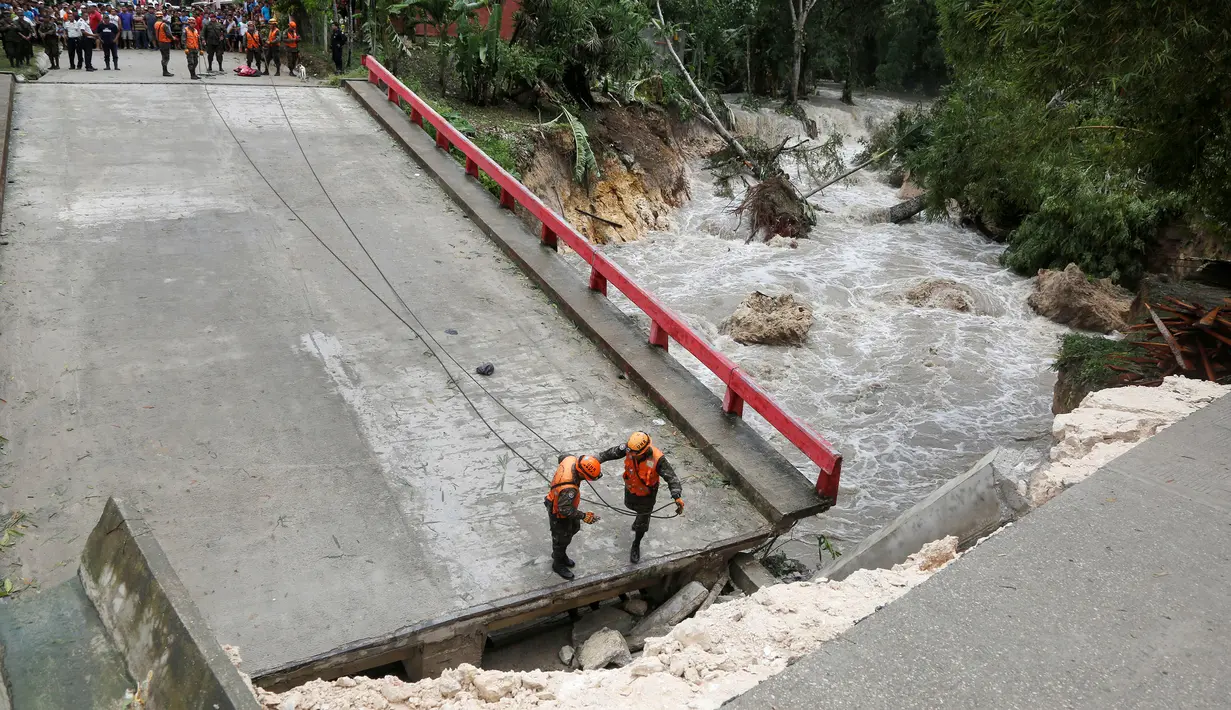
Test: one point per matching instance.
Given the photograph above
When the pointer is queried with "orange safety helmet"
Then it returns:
(638, 442)
(590, 468)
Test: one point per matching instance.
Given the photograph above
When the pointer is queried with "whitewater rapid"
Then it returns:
(911, 396)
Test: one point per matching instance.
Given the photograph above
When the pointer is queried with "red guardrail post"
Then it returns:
(546, 236)
(827, 483)
(442, 141)
(393, 96)
(732, 403)
(507, 200)
(658, 336)
(416, 117)
(598, 282)
(472, 168)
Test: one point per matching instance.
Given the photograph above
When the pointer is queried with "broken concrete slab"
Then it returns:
(970, 506)
(675, 610)
(152, 620)
(749, 574)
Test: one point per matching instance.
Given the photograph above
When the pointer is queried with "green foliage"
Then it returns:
(577, 42)
(1085, 359)
(1082, 127)
(585, 165)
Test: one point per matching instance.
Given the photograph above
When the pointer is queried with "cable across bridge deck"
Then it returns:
(435, 346)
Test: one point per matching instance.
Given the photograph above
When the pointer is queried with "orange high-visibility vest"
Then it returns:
(563, 479)
(292, 38)
(191, 40)
(254, 39)
(162, 33)
(272, 41)
(642, 476)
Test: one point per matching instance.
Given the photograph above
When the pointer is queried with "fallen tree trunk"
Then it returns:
(899, 212)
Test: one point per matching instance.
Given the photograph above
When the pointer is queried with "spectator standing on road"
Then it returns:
(337, 40)
(109, 37)
(233, 34)
(126, 28)
(150, 40)
(139, 31)
(177, 29)
(95, 19)
(266, 12)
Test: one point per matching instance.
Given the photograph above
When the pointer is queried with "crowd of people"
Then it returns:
(82, 27)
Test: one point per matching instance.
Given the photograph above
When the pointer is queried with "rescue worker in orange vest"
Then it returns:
(562, 512)
(192, 48)
(252, 41)
(644, 466)
(162, 34)
(291, 42)
(273, 48)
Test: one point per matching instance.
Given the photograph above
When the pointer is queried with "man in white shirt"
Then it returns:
(73, 25)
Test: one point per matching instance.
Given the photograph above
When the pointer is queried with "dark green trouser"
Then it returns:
(562, 532)
(194, 57)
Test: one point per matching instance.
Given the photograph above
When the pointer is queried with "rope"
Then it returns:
(432, 350)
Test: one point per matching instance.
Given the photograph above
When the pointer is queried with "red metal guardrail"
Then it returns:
(664, 324)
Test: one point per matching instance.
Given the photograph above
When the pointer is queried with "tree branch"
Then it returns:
(722, 131)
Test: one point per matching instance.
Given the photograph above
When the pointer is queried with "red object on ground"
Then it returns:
(665, 325)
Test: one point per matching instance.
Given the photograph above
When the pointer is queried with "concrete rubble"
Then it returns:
(702, 662)
(1109, 422)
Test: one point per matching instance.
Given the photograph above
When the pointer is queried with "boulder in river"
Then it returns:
(769, 320)
(1070, 298)
(942, 293)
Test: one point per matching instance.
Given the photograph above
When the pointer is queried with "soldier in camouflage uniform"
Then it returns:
(215, 35)
(51, 41)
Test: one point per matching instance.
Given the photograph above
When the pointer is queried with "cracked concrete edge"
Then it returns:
(503, 613)
(152, 619)
(758, 471)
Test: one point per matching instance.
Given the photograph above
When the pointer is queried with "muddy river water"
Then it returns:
(911, 396)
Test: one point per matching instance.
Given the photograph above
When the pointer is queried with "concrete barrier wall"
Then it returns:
(153, 621)
(969, 506)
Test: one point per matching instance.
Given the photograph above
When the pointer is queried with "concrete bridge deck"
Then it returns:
(171, 331)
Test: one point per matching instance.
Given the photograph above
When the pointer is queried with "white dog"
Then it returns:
(301, 72)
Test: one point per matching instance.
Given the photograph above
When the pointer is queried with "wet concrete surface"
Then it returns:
(57, 654)
(171, 332)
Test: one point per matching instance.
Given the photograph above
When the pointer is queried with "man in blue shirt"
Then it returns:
(265, 11)
(126, 28)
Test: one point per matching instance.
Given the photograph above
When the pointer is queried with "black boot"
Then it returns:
(568, 562)
(634, 555)
(561, 568)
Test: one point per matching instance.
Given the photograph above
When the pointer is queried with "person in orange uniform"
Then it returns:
(252, 42)
(162, 34)
(562, 501)
(192, 48)
(273, 48)
(644, 466)
(291, 42)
